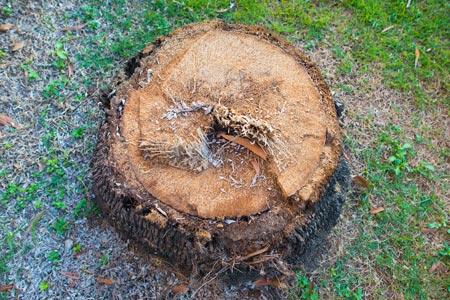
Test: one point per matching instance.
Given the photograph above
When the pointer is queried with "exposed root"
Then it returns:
(192, 155)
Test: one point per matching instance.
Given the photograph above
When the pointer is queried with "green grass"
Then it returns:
(390, 255)
(381, 34)
(366, 38)
(378, 37)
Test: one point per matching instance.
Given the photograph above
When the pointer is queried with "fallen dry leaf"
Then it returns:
(70, 275)
(75, 27)
(105, 280)
(17, 46)
(41, 166)
(219, 11)
(416, 63)
(244, 143)
(69, 70)
(311, 286)
(276, 282)
(387, 28)
(7, 121)
(5, 27)
(181, 289)
(429, 230)
(6, 287)
(361, 181)
(376, 210)
(434, 267)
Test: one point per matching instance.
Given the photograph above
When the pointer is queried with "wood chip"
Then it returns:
(17, 46)
(5, 27)
(73, 276)
(244, 143)
(105, 280)
(376, 210)
(7, 121)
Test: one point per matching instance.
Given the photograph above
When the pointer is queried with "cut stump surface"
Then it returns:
(222, 140)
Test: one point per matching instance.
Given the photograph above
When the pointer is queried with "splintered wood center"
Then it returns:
(202, 92)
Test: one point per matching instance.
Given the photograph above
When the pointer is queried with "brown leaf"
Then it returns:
(257, 252)
(73, 276)
(41, 166)
(181, 289)
(434, 267)
(7, 121)
(105, 280)
(5, 27)
(75, 27)
(244, 143)
(416, 63)
(276, 282)
(311, 286)
(429, 230)
(6, 287)
(17, 46)
(376, 210)
(69, 70)
(361, 181)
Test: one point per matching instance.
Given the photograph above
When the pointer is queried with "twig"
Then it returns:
(224, 269)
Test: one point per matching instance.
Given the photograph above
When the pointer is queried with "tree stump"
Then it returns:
(221, 144)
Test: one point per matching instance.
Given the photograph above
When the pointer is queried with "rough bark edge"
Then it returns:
(183, 247)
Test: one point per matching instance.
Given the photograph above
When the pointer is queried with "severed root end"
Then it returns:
(192, 155)
(196, 155)
(258, 131)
